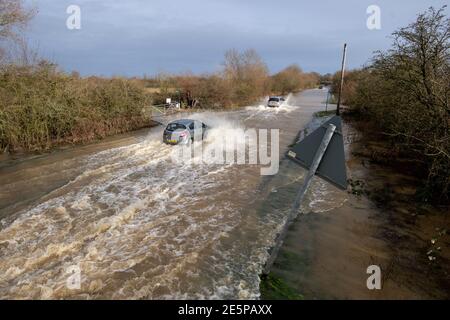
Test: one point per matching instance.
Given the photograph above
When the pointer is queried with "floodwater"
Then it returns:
(326, 254)
(140, 225)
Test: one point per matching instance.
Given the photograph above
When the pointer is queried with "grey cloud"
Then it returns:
(135, 37)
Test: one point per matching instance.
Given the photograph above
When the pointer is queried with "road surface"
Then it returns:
(138, 225)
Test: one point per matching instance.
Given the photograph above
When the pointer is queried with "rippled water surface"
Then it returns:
(140, 224)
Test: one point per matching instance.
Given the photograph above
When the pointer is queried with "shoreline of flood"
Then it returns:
(325, 255)
(121, 212)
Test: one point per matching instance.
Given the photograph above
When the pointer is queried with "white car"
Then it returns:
(275, 102)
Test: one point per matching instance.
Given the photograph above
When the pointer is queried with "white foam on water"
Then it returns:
(263, 111)
(140, 225)
(131, 220)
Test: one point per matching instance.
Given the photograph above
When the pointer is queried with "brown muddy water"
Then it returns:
(140, 225)
(326, 254)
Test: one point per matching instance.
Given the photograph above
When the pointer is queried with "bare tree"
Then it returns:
(247, 72)
(13, 17)
(406, 91)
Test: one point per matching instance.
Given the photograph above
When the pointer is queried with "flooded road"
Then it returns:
(139, 225)
(325, 255)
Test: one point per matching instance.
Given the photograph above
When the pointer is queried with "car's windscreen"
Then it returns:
(175, 126)
(274, 99)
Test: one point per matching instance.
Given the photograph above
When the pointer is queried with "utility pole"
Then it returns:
(342, 80)
(328, 96)
(322, 148)
(311, 153)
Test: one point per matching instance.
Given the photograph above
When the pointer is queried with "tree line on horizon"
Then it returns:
(42, 106)
(244, 79)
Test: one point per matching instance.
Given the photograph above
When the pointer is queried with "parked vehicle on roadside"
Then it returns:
(184, 131)
(275, 102)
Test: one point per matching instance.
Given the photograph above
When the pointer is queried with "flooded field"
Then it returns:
(140, 225)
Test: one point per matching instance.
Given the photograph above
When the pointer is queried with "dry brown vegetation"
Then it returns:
(293, 79)
(13, 16)
(42, 106)
(244, 80)
(405, 92)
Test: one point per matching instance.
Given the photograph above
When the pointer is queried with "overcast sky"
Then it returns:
(137, 37)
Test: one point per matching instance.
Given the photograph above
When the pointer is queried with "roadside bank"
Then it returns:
(326, 254)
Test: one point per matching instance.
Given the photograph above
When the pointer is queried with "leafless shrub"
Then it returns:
(293, 79)
(406, 91)
(248, 75)
(41, 107)
(13, 16)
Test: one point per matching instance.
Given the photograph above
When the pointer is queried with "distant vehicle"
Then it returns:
(174, 105)
(275, 102)
(320, 87)
(182, 131)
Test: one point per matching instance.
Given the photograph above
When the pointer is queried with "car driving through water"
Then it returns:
(184, 131)
(275, 102)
